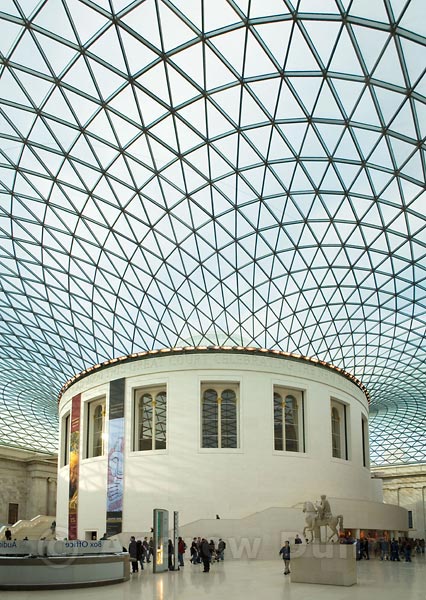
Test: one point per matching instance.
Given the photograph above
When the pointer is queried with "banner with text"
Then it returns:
(74, 467)
(114, 520)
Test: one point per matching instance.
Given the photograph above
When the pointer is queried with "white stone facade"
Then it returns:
(28, 480)
(232, 482)
(405, 486)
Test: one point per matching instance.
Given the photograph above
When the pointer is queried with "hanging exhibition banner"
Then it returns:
(161, 537)
(74, 466)
(114, 520)
(175, 540)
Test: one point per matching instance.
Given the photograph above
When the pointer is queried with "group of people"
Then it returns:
(140, 552)
(386, 549)
(206, 552)
(202, 551)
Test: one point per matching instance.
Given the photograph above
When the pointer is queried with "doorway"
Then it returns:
(12, 514)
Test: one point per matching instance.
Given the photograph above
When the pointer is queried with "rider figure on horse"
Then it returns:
(323, 509)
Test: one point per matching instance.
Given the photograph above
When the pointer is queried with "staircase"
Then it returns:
(35, 529)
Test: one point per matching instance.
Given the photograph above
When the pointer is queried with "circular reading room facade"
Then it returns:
(212, 431)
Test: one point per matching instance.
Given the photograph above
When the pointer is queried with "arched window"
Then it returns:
(339, 430)
(95, 428)
(219, 419)
(66, 439)
(288, 421)
(335, 433)
(150, 419)
(210, 421)
(364, 441)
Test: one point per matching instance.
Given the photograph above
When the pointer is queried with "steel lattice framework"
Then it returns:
(239, 172)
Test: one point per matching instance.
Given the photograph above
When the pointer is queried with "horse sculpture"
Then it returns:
(313, 522)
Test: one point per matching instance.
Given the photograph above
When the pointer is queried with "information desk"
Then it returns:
(30, 565)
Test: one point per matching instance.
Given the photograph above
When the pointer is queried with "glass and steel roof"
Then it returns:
(202, 172)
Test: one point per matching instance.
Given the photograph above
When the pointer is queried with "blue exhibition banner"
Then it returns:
(115, 458)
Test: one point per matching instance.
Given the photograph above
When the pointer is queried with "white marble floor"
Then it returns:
(252, 580)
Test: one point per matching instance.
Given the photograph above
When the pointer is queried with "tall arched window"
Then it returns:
(364, 441)
(288, 420)
(96, 428)
(335, 433)
(339, 430)
(150, 419)
(66, 439)
(219, 418)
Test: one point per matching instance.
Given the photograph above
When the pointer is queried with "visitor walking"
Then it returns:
(285, 552)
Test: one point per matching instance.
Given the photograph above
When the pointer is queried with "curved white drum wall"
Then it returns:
(233, 483)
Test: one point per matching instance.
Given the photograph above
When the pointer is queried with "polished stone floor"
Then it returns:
(252, 580)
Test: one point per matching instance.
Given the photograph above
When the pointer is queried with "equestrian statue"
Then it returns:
(318, 515)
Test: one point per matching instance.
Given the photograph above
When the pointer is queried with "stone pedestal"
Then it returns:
(329, 564)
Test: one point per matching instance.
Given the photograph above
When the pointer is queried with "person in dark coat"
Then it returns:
(285, 552)
(139, 553)
(205, 554)
(171, 551)
(194, 551)
(394, 550)
(181, 551)
(133, 552)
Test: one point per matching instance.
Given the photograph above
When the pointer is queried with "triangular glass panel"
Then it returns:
(365, 111)
(89, 21)
(306, 91)
(300, 180)
(331, 180)
(389, 102)
(404, 121)
(155, 82)
(347, 93)
(371, 43)
(256, 61)
(312, 146)
(345, 59)
(326, 106)
(324, 44)
(39, 89)
(277, 37)
(414, 168)
(107, 81)
(250, 111)
(218, 15)
(174, 31)
(182, 89)
(361, 8)
(138, 54)
(299, 56)
(231, 46)
(217, 74)
(267, 92)
(381, 155)
(229, 101)
(389, 67)
(54, 18)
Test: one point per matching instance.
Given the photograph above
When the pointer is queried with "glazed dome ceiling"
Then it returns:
(240, 172)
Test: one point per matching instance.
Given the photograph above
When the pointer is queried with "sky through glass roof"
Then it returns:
(243, 172)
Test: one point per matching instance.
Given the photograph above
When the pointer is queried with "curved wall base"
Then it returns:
(54, 572)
